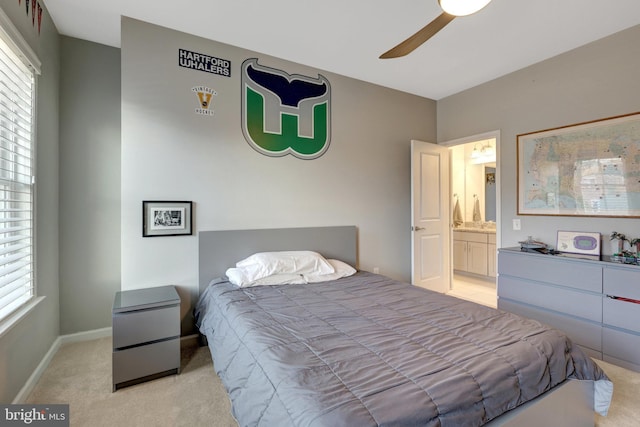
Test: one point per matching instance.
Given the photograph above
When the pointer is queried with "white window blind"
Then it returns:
(17, 86)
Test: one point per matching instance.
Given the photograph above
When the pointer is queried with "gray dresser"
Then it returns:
(594, 302)
(146, 335)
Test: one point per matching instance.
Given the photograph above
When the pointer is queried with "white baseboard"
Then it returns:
(86, 335)
(24, 392)
(28, 387)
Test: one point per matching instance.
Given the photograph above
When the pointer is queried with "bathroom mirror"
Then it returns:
(472, 181)
(490, 193)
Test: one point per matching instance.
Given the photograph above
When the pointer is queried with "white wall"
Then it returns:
(170, 153)
(592, 82)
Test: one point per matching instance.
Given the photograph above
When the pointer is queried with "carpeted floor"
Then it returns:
(80, 375)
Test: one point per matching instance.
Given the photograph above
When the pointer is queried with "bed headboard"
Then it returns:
(219, 250)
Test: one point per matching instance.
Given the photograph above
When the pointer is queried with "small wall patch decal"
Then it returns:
(204, 95)
(202, 62)
(285, 114)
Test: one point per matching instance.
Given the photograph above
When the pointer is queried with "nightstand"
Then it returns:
(146, 335)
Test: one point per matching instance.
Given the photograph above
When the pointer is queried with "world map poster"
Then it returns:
(589, 169)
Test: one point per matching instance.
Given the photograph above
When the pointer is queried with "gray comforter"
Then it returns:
(367, 350)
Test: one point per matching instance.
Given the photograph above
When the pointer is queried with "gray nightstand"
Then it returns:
(146, 335)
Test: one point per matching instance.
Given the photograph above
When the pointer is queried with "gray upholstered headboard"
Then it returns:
(219, 250)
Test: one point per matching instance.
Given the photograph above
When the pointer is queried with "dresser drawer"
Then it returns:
(545, 268)
(621, 345)
(562, 300)
(584, 333)
(138, 362)
(138, 327)
(622, 283)
(622, 314)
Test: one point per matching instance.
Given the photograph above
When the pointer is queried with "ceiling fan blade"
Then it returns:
(410, 44)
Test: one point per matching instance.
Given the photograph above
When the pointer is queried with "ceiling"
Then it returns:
(347, 37)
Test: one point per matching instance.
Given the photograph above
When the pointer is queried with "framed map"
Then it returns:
(587, 169)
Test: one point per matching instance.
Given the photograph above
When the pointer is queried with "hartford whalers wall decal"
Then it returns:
(285, 114)
(204, 95)
(202, 62)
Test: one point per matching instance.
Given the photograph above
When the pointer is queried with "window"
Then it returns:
(17, 95)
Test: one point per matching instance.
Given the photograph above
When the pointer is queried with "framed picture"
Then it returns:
(588, 169)
(166, 218)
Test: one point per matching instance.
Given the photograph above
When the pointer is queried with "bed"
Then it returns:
(366, 350)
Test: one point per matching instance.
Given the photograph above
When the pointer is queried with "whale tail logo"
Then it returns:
(285, 114)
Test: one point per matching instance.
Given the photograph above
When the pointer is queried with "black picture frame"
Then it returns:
(161, 218)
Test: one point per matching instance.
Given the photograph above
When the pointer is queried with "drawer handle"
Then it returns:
(633, 301)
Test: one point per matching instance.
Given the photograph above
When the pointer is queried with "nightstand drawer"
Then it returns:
(139, 327)
(138, 362)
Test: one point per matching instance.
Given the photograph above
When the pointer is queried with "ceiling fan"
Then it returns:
(451, 10)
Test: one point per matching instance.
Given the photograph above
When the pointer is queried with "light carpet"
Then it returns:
(80, 375)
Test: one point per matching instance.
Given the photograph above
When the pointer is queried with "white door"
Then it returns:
(430, 239)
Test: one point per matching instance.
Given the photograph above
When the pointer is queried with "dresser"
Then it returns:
(595, 302)
(146, 335)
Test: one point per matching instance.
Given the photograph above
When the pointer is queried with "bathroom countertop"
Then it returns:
(476, 230)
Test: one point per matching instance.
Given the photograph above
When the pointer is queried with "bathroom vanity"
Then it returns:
(474, 251)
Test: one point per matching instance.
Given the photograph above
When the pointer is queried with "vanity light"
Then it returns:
(462, 7)
(483, 153)
(475, 153)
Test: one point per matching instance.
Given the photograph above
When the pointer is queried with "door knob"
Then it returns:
(416, 228)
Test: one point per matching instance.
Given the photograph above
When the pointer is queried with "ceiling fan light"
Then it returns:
(462, 7)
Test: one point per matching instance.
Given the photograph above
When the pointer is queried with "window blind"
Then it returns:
(17, 85)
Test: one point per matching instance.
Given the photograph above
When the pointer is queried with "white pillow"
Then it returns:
(342, 269)
(264, 264)
(238, 278)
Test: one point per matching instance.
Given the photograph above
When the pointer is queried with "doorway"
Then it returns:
(475, 207)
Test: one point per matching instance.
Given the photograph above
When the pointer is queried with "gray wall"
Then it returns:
(171, 153)
(23, 347)
(89, 184)
(592, 82)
